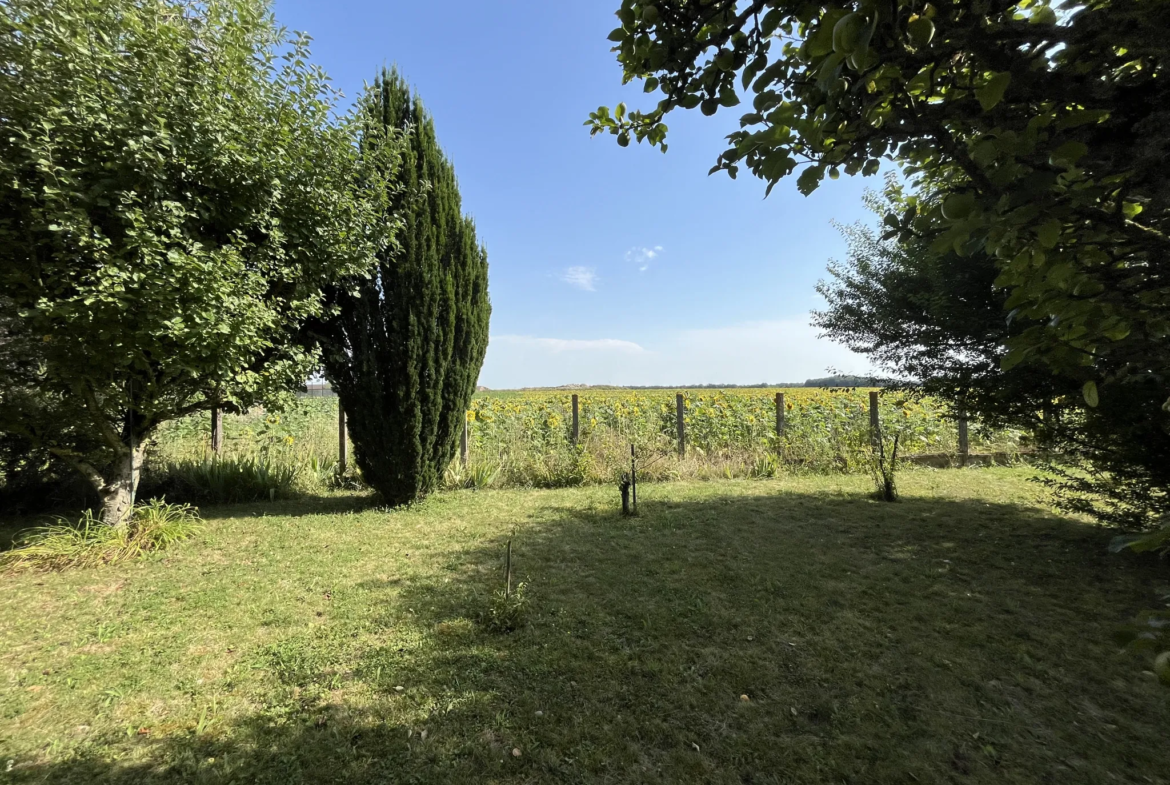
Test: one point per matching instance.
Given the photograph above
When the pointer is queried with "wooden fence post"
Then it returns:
(964, 442)
(875, 423)
(342, 443)
(680, 407)
(576, 421)
(779, 416)
(464, 447)
(216, 430)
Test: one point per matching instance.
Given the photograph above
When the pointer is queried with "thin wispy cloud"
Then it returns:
(777, 351)
(584, 278)
(643, 256)
(559, 345)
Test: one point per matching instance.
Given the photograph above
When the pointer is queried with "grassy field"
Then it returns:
(773, 631)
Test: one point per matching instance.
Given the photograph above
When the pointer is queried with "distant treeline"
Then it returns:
(827, 381)
(844, 381)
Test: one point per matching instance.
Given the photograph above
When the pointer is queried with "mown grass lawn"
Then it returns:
(786, 631)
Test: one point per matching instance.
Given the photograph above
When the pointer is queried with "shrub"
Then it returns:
(154, 526)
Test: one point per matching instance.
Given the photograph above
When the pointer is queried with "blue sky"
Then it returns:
(608, 265)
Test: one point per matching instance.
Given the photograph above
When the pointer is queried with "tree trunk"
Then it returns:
(119, 485)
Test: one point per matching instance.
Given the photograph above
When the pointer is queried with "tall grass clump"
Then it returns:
(477, 475)
(154, 526)
(227, 480)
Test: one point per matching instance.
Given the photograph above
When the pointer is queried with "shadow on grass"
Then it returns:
(340, 503)
(789, 638)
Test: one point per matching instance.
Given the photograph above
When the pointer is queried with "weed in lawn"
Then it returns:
(883, 467)
(508, 610)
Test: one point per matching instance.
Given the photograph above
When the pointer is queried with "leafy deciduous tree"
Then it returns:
(1033, 132)
(174, 196)
(937, 321)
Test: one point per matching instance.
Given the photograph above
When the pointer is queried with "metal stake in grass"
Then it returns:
(508, 572)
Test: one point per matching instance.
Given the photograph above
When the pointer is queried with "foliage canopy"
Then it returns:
(1034, 134)
(937, 318)
(406, 345)
(174, 195)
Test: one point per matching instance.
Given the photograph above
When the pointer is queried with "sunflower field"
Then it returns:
(524, 439)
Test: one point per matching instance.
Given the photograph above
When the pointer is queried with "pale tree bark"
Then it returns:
(119, 489)
(117, 486)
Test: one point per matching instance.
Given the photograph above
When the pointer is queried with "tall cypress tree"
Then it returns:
(405, 348)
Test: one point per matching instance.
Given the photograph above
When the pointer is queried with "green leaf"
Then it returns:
(809, 179)
(1049, 233)
(728, 98)
(1162, 667)
(821, 42)
(958, 206)
(771, 21)
(1118, 332)
(1079, 117)
(1044, 15)
(1068, 153)
(921, 31)
(991, 92)
(847, 33)
(1090, 393)
(1014, 357)
(776, 165)
(1130, 210)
